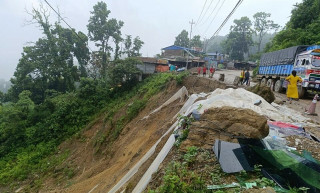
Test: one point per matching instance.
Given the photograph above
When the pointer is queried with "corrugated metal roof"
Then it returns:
(174, 47)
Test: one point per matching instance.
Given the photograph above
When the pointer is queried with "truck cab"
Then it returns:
(307, 65)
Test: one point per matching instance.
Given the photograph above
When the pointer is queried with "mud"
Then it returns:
(196, 84)
(263, 91)
(226, 123)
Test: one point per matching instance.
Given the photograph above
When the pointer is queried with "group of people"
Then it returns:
(204, 71)
(245, 77)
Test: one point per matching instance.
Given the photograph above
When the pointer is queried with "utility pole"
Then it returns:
(191, 23)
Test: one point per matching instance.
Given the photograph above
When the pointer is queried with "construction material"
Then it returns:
(181, 94)
(241, 98)
(231, 157)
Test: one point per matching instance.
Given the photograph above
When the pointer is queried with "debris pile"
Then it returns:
(227, 123)
(264, 92)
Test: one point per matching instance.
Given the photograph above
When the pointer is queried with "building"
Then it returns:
(181, 56)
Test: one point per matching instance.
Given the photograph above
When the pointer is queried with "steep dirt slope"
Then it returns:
(96, 163)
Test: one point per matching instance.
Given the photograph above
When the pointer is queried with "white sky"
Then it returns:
(157, 22)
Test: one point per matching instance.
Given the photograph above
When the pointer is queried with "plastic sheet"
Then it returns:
(241, 98)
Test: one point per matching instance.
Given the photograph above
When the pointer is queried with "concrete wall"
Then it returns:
(147, 68)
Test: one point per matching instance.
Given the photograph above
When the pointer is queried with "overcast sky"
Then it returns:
(157, 22)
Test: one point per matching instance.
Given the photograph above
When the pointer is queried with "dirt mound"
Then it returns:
(263, 91)
(196, 84)
(226, 123)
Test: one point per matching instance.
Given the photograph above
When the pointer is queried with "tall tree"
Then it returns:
(182, 39)
(101, 30)
(196, 41)
(239, 39)
(132, 49)
(137, 45)
(128, 45)
(49, 63)
(262, 25)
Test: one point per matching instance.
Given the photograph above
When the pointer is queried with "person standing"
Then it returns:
(246, 77)
(292, 90)
(199, 70)
(241, 76)
(204, 71)
(211, 72)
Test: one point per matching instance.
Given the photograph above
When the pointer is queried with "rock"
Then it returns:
(221, 77)
(279, 102)
(236, 81)
(226, 123)
(263, 91)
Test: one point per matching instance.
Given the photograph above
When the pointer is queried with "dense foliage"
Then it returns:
(245, 35)
(59, 87)
(183, 40)
(302, 28)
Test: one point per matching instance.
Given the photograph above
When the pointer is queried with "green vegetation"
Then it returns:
(30, 133)
(59, 89)
(302, 28)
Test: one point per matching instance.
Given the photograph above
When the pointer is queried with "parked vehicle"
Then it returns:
(276, 66)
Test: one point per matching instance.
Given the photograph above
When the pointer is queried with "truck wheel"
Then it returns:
(278, 86)
(270, 83)
(301, 92)
(263, 82)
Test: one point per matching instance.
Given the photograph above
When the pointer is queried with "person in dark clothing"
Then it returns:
(246, 77)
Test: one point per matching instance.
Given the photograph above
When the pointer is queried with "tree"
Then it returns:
(196, 41)
(123, 71)
(101, 30)
(127, 45)
(304, 14)
(117, 39)
(137, 45)
(239, 39)
(49, 63)
(262, 25)
(132, 50)
(182, 39)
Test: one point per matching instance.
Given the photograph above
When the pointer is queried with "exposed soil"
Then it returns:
(97, 163)
(302, 143)
(228, 124)
(196, 84)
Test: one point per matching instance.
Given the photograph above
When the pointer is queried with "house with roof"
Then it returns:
(181, 56)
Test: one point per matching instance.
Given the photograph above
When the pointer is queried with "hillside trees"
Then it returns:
(101, 30)
(302, 29)
(49, 63)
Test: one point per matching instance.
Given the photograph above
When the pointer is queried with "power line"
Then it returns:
(215, 16)
(202, 10)
(212, 12)
(205, 12)
(67, 24)
(227, 18)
